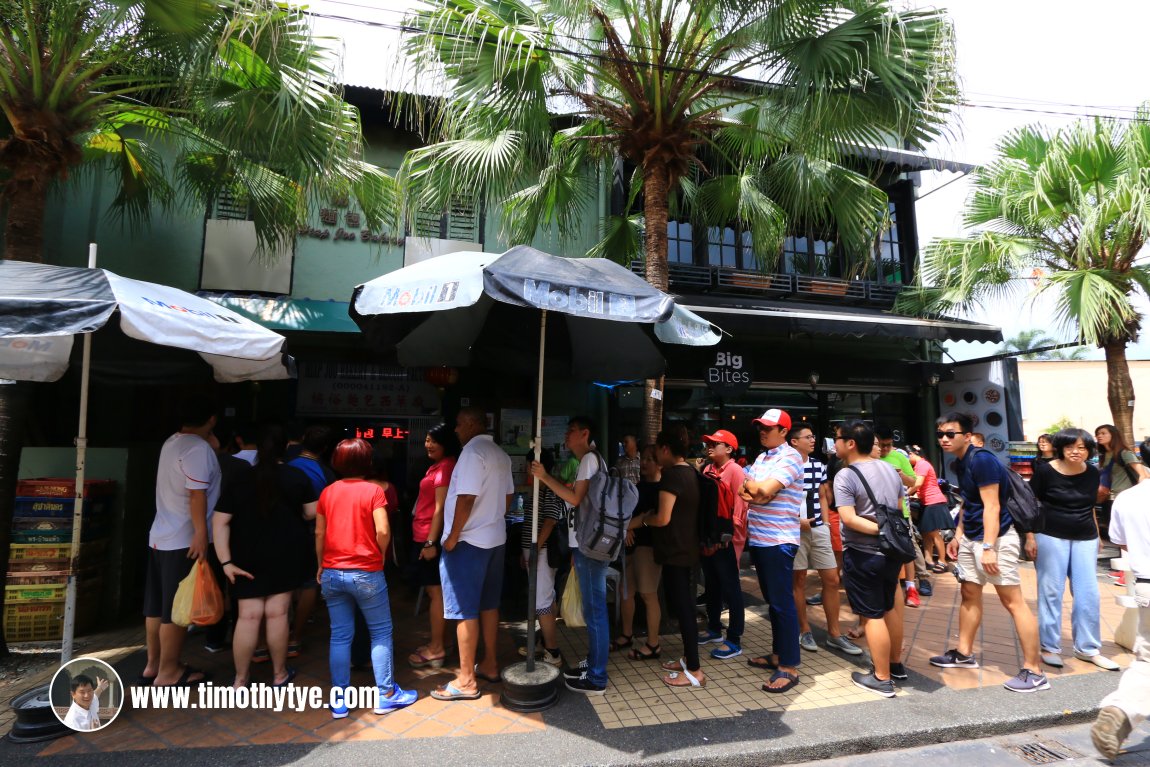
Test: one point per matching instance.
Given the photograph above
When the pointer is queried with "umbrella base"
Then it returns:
(529, 692)
(35, 720)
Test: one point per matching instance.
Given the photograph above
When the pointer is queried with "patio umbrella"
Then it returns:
(462, 308)
(43, 308)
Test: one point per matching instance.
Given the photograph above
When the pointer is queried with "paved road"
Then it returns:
(1069, 746)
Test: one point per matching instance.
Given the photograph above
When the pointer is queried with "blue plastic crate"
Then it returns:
(31, 506)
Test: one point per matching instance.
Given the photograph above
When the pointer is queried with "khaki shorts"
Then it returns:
(970, 560)
(644, 573)
(815, 552)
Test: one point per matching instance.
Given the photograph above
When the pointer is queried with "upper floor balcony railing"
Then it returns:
(688, 279)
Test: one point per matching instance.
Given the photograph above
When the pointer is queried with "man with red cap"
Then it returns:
(774, 491)
(720, 568)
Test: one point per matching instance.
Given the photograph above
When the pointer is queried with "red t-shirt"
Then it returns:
(439, 475)
(349, 536)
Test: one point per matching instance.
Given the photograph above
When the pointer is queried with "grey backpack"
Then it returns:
(601, 520)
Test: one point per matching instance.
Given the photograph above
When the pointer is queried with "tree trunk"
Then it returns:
(26, 201)
(656, 186)
(1120, 389)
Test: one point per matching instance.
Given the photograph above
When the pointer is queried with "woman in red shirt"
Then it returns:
(426, 528)
(351, 534)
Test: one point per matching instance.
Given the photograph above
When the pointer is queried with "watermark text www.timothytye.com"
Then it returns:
(257, 696)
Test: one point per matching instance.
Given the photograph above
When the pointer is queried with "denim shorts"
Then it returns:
(472, 580)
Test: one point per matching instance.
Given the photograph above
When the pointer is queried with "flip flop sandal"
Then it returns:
(486, 677)
(449, 692)
(858, 632)
(674, 679)
(628, 640)
(792, 681)
(638, 654)
(291, 672)
(145, 681)
(418, 660)
(675, 665)
(186, 678)
(763, 661)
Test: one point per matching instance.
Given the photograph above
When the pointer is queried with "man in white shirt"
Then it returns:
(1124, 708)
(84, 713)
(187, 489)
(474, 537)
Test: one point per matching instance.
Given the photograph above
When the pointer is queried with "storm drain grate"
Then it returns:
(1043, 752)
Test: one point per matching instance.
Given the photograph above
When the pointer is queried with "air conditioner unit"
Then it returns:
(231, 262)
(416, 249)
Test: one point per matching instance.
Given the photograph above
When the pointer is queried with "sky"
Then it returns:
(1052, 56)
(1021, 53)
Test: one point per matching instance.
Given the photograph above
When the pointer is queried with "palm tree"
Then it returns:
(735, 111)
(1035, 345)
(179, 102)
(1075, 206)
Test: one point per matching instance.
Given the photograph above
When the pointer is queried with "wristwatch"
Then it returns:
(987, 546)
(428, 544)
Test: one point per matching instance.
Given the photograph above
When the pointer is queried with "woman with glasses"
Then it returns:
(1067, 548)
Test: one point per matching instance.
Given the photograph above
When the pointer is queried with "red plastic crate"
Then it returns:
(65, 487)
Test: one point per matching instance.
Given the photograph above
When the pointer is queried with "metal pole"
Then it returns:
(533, 557)
(78, 508)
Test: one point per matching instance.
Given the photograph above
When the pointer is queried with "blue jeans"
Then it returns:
(775, 566)
(1059, 559)
(592, 576)
(343, 590)
(721, 572)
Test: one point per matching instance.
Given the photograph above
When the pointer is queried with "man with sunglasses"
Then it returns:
(986, 546)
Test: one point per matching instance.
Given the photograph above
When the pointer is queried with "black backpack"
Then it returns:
(1022, 504)
(715, 507)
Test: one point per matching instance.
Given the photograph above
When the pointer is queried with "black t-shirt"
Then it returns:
(1067, 501)
(648, 501)
(677, 543)
(277, 548)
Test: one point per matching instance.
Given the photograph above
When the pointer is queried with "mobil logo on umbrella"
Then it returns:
(576, 300)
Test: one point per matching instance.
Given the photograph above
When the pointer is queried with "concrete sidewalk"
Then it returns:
(730, 721)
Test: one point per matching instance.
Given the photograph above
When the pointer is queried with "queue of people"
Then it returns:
(282, 527)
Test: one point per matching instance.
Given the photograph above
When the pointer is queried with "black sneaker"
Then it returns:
(584, 685)
(870, 682)
(954, 659)
(576, 671)
(898, 671)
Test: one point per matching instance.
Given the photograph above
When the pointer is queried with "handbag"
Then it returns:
(894, 538)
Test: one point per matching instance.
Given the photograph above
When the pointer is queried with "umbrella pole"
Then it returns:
(78, 507)
(533, 558)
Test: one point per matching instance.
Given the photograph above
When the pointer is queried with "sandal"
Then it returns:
(638, 654)
(937, 568)
(792, 680)
(683, 678)
(486, 677)
(622, 642)
(858, 632)
(186, 678)
(450, 692)
(674, 665)
(764, 661)
(419, 659)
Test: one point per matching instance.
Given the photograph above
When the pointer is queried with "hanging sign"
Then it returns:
(729, 373)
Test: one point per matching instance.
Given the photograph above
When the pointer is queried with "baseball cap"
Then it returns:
(774, 417)
(722, 435)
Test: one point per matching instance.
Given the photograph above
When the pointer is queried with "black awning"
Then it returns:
(750, 316)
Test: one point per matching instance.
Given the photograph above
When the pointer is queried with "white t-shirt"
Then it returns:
(79, 718)
(1130, 527)
(247, 455)
(483, 470)
(588, 466)
(187, 463)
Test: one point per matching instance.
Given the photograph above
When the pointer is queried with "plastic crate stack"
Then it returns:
(1022, 457)
(38, 558)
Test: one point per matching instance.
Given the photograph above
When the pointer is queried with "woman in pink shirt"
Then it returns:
(935, 511)
(426, 528)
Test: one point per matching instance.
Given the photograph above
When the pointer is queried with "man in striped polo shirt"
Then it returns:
(774, 493)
